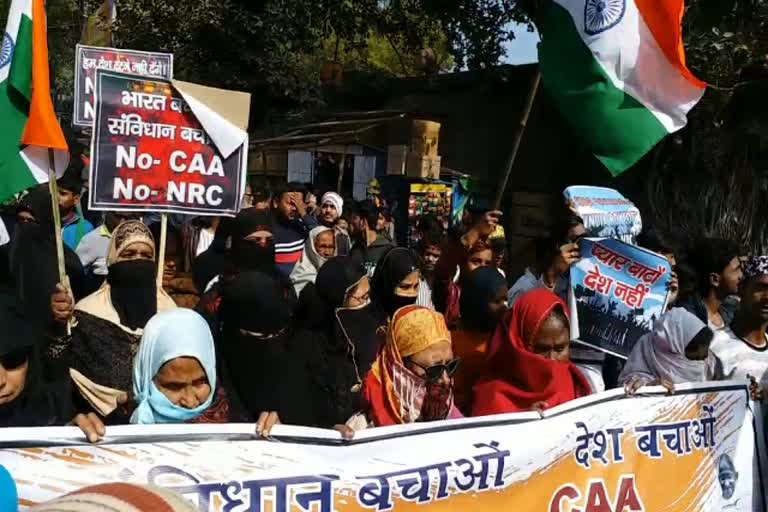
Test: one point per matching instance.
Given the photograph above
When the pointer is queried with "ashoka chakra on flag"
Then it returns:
(6, 50)
(600, 15)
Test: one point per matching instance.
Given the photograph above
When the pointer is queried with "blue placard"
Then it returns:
(617, 292)
(605, 212)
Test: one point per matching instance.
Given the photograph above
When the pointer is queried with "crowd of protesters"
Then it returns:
(313, 315)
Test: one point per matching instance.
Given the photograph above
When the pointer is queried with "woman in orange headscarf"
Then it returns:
(412, 378)
(528, 365)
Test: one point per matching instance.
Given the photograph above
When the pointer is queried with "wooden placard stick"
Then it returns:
(161, 253)
(53, 188)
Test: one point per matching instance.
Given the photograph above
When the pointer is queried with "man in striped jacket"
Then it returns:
(292, 225)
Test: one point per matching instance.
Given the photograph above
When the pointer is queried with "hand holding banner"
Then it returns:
(699, 450)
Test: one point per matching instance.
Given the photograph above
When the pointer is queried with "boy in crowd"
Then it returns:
(292, 225)
(652, 240)
(430, 250)
(73, 226)
(369, 246)
(741, 350)
(718, 274)
(331, 210)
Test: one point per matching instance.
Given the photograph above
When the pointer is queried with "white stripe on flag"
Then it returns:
(36, 159)
(631, 57)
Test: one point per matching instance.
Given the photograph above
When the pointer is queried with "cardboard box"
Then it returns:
(419, 166)
(425, 138)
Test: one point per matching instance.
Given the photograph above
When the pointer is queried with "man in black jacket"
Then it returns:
(368, 245)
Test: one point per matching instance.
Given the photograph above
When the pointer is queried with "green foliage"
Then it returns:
(477, 29)
(712, 178)
(724, 36)
(282, 44)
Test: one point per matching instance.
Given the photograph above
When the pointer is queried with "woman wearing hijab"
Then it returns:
(252, 250)
(412, 378)
(174, 376)
(320, 247)
(26, 400)
(110, 321)
(214, 260)
(675, 351)
(483, 303)
(478, 255)
(528, 365)
(339, 313)
(263, 355)
(395, 282)
(33, 259)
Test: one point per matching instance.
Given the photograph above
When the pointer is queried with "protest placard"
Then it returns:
(90, 58)
(605, 212)
(166, 146)
(616, 292)
(700, 450)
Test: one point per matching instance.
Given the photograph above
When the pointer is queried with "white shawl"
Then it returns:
(660, 354)
(305, 271)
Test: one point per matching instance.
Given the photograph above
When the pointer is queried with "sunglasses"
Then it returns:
(434, 373)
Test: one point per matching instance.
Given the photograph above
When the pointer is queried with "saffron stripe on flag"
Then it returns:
(664, 20)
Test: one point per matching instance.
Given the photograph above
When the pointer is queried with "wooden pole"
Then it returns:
(340, 180)
(161, 253)
(53, 188)
(517, 139)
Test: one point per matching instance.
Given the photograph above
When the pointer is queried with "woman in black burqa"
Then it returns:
(348, 335)
(395, 282)
(262, 355)
(33, 260)
(251, 249)
(26, 398)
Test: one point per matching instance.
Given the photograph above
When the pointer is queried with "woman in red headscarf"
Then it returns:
(528, 365)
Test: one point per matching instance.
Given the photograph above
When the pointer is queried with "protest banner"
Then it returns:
(701, 449)
(90, 58)
(605, 212)
(616, 292)
(167, 146)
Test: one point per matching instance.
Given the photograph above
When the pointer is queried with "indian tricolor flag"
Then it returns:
(28, 125)
(616, 69)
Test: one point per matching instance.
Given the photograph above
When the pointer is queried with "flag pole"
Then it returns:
(53, 188)
(161, 253)
(517, 140)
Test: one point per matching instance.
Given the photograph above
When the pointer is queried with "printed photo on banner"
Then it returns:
(617, 292)
(697, 450)
(605, 212)
(156, 147)
(90, 58)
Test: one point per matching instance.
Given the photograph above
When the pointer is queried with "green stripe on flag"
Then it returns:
(617, 128)
(20, 76)
(15, 93)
